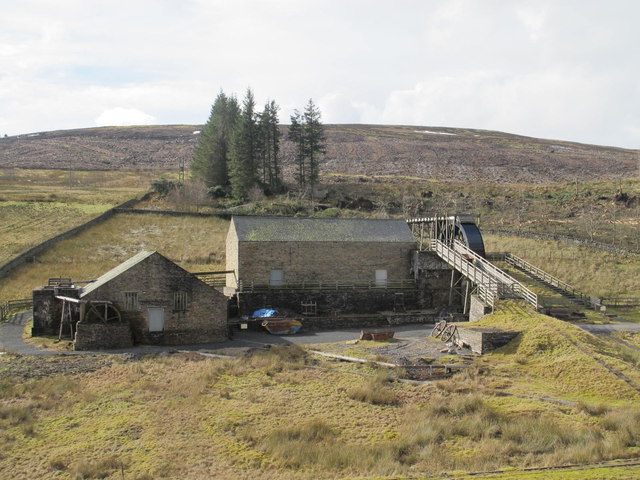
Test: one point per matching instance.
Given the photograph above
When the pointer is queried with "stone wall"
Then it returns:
(433, 277)
(156, 279)
(47, 310)
(583, 242)
(29, 255)
(328, 302)
(477, 308)
(96, 336)
(322, 261)
(482, 340)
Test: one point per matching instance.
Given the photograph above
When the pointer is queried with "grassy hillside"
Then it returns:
(282, 414)
(387, 151)
(597, 273)
(196, 244)
(38, 204)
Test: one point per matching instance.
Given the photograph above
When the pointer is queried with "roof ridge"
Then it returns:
(117, 270)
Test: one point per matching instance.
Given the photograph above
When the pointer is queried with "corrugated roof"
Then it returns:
(294, 229)
(114, 272)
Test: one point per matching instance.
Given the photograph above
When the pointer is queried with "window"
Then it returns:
(381, 278)
(180, 301)
(276, 279)
(131, 301)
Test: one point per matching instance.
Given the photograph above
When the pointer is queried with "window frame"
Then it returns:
(180, 301)
(131, 301)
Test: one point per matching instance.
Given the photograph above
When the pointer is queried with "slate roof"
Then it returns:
(295, 229)
(114, 272)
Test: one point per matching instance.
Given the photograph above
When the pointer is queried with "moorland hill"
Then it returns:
(400, 152)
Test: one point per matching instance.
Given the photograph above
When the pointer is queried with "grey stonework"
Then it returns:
(317, 250)
(47, 311)
(477, 309)
(159, 286)
(94, 336)
(337, 302)
(433, 280)
(482, 340)
(156, 280)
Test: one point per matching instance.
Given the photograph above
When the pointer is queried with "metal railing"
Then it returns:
(491, 282)
(404, 284)
(621, 301)
(549, 279)
(14, 306)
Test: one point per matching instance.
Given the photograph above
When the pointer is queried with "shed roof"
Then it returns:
(295, 229)
(114, 272)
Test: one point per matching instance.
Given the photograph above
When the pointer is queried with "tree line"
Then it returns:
(239, 147)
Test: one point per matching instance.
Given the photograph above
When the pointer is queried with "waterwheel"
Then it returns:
(101, 312)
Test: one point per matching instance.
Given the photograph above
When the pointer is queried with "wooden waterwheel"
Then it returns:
(101, 312)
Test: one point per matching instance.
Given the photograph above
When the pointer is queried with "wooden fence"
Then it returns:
(621, 302)
(14, 306)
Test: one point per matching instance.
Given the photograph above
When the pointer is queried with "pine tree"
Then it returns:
(295, 134)
(314, 142)
(269, 146)
(211, 155)
(243, 152)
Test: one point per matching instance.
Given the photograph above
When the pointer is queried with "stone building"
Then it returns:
(342, 264)
(147, 299)
(291, 250)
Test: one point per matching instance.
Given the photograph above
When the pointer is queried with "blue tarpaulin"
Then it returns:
(264, 313)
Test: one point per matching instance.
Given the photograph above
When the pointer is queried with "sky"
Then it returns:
(556, 69)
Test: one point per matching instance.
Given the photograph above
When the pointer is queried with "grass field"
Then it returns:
(553, 396)
(196, 244)
(591, 271)
(283, 415)
(38, 204)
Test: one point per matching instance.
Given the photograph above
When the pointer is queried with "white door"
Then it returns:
(381, 278)
(156, 319)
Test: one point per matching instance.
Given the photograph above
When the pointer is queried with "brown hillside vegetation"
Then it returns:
(403, 152)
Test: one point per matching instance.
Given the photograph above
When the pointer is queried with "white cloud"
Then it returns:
(538, 67)
(120, 117)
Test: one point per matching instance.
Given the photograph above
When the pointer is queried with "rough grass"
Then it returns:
(25, 224)
(591, 271)
(196, 244)
(558, 358)
(77, 187)
(269, 416)
(38, 204)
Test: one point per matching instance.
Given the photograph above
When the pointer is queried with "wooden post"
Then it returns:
(61, 321)
(466, 297)
(453, 272)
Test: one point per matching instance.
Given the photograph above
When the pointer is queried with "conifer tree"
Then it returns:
(295, 134)
(307, 133)
(243, 152)
(269, 146)
(314, 141)
(211, 155)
